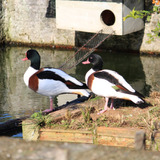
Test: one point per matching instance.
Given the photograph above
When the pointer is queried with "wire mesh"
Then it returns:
(89, 47)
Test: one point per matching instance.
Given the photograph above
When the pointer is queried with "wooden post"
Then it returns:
(140, 140)
(30, 130)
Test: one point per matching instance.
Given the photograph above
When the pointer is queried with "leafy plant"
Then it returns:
(138, 14)
(41, 120)
(147, 14)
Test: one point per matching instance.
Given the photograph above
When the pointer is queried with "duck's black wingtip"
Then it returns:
(144, 104)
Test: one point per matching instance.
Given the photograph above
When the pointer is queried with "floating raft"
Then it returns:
(121, 137)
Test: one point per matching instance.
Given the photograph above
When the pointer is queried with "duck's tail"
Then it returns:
(132, 97)
(138, 99)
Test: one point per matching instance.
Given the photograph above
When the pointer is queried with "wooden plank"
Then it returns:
(115, 141)
(66, 136)
(64, 130)
(123, 137)
(117, 132)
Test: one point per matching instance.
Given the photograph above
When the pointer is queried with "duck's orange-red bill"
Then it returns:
(24, 59)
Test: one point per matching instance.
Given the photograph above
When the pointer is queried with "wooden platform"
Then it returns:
(122, 137)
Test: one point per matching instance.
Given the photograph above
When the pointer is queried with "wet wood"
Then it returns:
(11, 127)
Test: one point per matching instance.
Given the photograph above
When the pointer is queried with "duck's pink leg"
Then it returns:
(105, 106)
(51, 106)
(112, 106)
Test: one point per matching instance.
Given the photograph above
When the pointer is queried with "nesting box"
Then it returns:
(95, 15)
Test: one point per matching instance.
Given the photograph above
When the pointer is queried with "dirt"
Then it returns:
(126, 114)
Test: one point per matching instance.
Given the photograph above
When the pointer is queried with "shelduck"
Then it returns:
(50, 81)
(109, 84)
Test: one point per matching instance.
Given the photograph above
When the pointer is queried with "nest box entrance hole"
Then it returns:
(108, 17)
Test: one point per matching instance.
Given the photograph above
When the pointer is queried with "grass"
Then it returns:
(86, 113)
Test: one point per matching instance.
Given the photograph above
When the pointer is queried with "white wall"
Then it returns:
(25, 22)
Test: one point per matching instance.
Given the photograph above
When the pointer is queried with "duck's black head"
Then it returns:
(96, 61)
(34, 57)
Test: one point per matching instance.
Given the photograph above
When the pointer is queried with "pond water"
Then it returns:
(16, 100)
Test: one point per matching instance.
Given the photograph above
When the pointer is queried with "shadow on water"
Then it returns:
(16, 100)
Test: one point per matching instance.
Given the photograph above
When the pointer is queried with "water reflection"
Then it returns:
(16, 100)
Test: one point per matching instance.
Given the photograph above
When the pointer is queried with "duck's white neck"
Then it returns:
(29, 72)
(88, 74)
